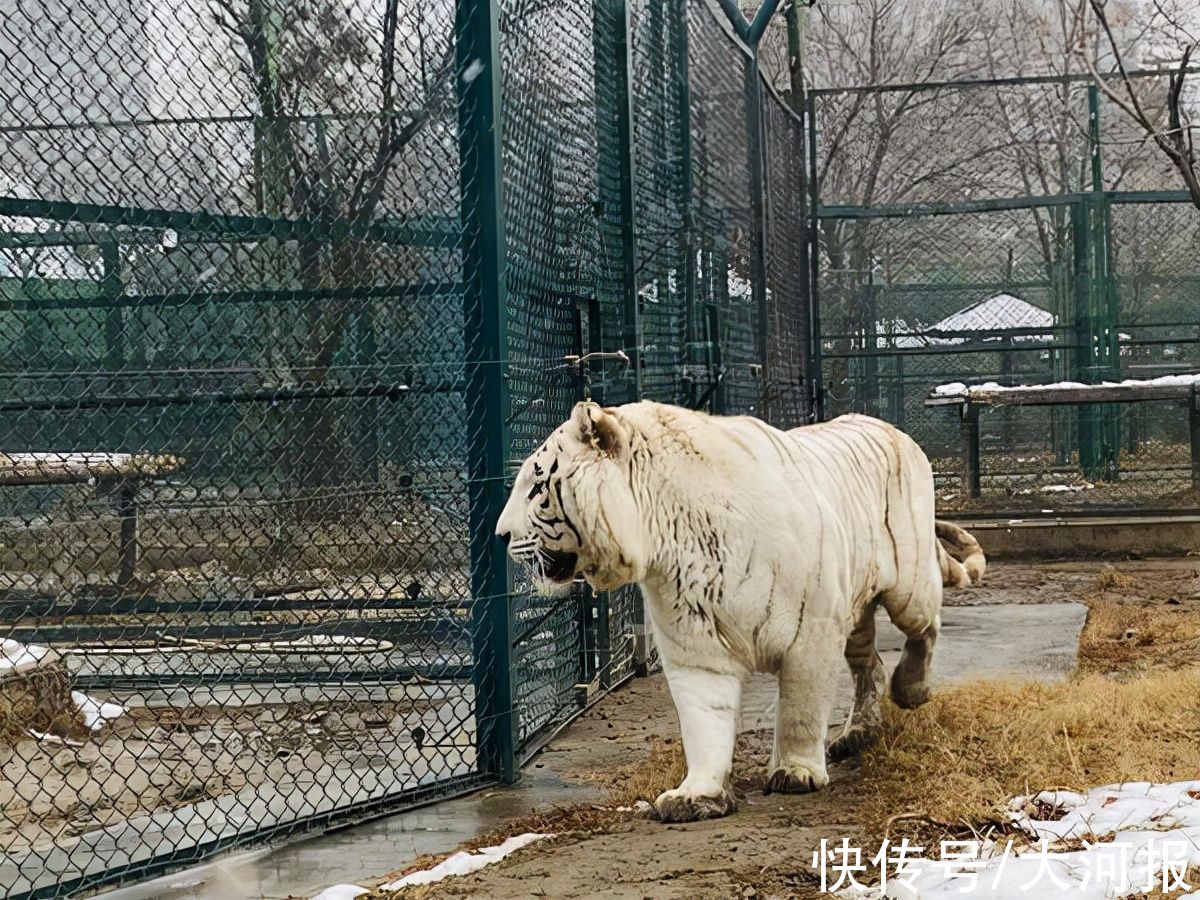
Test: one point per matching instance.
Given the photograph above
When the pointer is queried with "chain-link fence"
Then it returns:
(286, 292)
(1016, 232)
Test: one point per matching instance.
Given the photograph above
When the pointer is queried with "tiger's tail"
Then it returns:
(962, 559)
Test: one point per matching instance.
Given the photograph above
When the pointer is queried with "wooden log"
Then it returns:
(75, 468)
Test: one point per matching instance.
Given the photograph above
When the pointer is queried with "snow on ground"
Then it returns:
(958, 389)
(15, 655)
(341, 892)
(1131, 838)
(96, 713)
(461, 863)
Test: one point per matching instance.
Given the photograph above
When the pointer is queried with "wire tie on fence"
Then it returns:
(575, 360)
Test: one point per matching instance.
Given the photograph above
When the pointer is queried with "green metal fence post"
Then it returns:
(1104, 294)
(111, 288)
(796, 19)
(687, 244)
(1085, 332)
(815, 348)
(756, 147)
(487, 401)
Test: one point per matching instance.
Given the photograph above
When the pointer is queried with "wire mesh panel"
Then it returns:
(788, 320)
(234, 592)
(557, 275)
(287, 290)
(1000, 233)
(666, 262)
(721, 206)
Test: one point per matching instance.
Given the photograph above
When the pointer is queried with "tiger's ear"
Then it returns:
(598, 428)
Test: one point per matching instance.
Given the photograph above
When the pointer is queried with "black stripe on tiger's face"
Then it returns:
(538, 518)
(572, 511)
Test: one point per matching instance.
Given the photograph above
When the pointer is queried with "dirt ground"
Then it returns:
(766, 848)
(156, 760)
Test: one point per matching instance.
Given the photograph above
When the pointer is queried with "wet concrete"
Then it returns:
(980, 641)
(976, 642)
(305, 867)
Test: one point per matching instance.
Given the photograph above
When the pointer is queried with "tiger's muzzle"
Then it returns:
(557, 566)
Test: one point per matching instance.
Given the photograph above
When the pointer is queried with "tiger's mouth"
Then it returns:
(555, 566)
(559, 565)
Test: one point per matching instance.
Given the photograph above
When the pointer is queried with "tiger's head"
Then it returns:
(572, 510)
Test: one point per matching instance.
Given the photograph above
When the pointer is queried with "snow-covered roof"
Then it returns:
(998, 313)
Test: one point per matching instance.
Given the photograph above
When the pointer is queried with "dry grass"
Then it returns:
(1111, 577)
(662, 770)
(1134, 627)
(1192, 877)
(949, 768)
(1123, 638)
(39, 699)
(953, 763)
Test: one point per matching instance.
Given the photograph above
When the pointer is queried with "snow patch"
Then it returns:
(473, 71)
(341, 892)
(15, 655)
(1131, 834)
(461, 863)
(1066, 488)
(96, 713)
(958, 389)
(464, 863)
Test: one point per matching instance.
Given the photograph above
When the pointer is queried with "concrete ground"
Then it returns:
(1024, 621)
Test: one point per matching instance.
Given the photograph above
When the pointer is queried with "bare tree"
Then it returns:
(318, 67)
(879, 148)
(1167, 122)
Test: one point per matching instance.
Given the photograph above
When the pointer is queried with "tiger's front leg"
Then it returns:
(708, 703)
(807, 685)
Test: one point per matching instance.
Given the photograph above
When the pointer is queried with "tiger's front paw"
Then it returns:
(679, 805)
(795, 778)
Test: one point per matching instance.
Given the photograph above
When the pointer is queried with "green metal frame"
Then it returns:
(1086, 286)
(480, 148)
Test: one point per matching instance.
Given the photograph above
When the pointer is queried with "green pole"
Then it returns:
(1082, 231)
(815, 348)
(1108, 299)
(759, 228)
(796, 19)
(1102, 313)
(614, 88)
(687, 242)
(487, 401)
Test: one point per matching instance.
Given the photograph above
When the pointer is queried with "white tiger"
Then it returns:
(757, 550)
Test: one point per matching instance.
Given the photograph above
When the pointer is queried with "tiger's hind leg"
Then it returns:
(864, 723)
(918, 615)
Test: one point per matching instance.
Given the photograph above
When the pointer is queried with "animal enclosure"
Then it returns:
(342, 268)
(940, 264)
(289, 289)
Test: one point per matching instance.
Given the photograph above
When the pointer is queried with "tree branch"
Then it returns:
(1175, 143)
